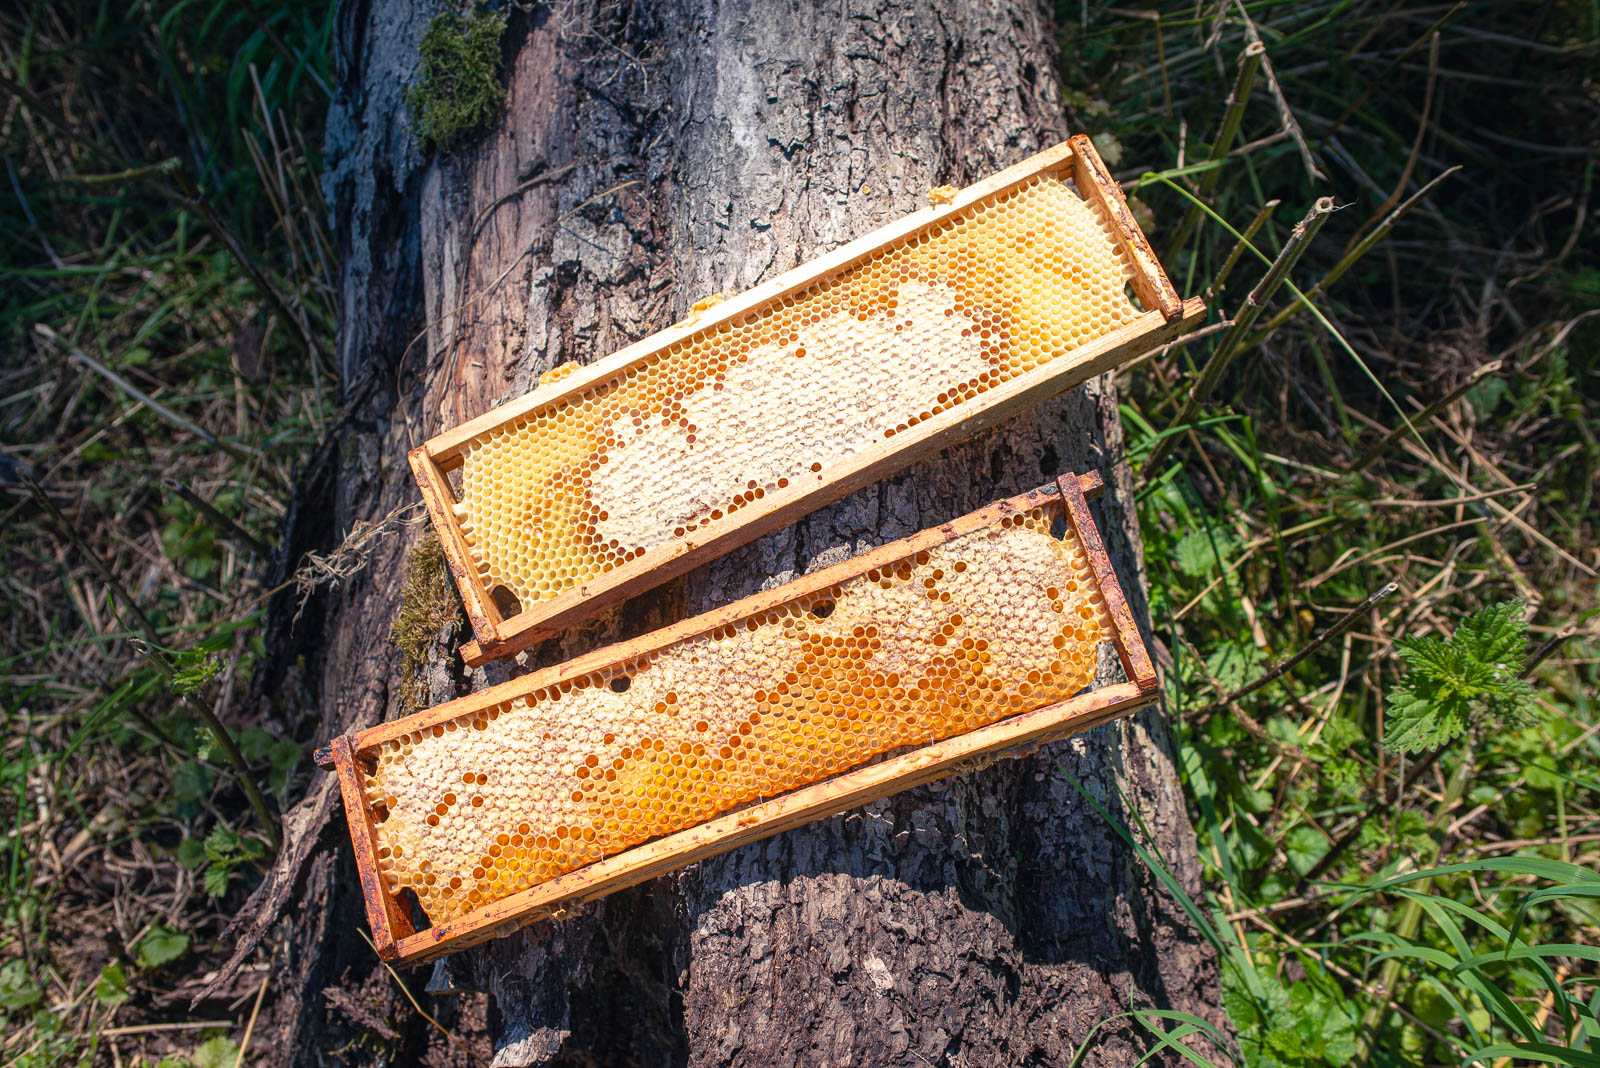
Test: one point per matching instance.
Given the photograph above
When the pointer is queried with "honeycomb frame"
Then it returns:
(354, 758)
(568, 595)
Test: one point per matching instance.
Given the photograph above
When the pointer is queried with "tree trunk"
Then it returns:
(648, 156)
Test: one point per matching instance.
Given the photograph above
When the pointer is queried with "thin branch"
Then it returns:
(1385, 443)
(1344, 623)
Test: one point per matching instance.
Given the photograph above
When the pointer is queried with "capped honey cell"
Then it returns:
(1003, 619)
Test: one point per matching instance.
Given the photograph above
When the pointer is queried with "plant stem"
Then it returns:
(61, 343)
(1238, 97)
(1344, 623)
(1239, 246)
(227, 527)
(1230, 345)
(1349, 259)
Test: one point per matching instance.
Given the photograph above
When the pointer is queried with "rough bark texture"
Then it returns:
(647, 157)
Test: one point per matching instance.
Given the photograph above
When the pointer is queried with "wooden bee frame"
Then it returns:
(350, 756)
(1164, 317)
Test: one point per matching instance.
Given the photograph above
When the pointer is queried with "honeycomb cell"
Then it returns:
(998, 621)
(742, 409)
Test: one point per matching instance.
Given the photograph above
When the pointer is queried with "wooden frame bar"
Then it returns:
(392, 931)
(1165, 317)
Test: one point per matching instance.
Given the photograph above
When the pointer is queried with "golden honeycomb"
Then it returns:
(1005, 619)
(564, 493)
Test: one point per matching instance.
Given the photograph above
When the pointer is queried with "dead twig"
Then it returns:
(348, 557)
(1342, 624)
(227, 527)
(1385, 443)
(1240, 245)
(153, 649)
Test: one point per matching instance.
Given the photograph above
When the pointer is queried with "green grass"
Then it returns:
(1398, 838)
(166, 307)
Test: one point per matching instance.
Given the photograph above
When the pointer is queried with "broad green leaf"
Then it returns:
(161, 945)
(220, 1052)
(112, 986)
(222, 843)
(1476, 672)
(17, 990)
(191, 853)
(216, 879)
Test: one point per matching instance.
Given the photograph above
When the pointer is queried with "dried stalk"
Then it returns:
(1231, 344)
(1240, 245)
(1350, 257)
(1238, 97)
(151, 647)
(1383, 444)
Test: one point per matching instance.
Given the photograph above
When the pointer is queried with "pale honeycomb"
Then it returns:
(995, 622)
(687, 436)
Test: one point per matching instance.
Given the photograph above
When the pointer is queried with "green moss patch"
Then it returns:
(426, 606)
(460, 88)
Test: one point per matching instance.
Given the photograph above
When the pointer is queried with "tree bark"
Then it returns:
(647, 156)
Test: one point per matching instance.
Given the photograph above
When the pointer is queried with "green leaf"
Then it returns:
(112, 987)
(194, 669)
(1422, 720)
(222, 843)
(219, 1052)
(17, 990)
(1498, 634)
(1475, 673)
(191, 783)
(1304, 846)
(161, 945)
(216, 879)
(191, 853)
(1197, 554)
(1543, 1052)
(1234, 663)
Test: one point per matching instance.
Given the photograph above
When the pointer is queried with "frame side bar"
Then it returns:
(1150, 282)
(1130, 646)
(389, 924)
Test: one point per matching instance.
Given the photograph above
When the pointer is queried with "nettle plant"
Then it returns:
(1452, 684)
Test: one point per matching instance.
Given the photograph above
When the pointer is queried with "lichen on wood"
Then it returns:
(460, 88)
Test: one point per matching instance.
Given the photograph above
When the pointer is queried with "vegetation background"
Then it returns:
(1376, 468)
